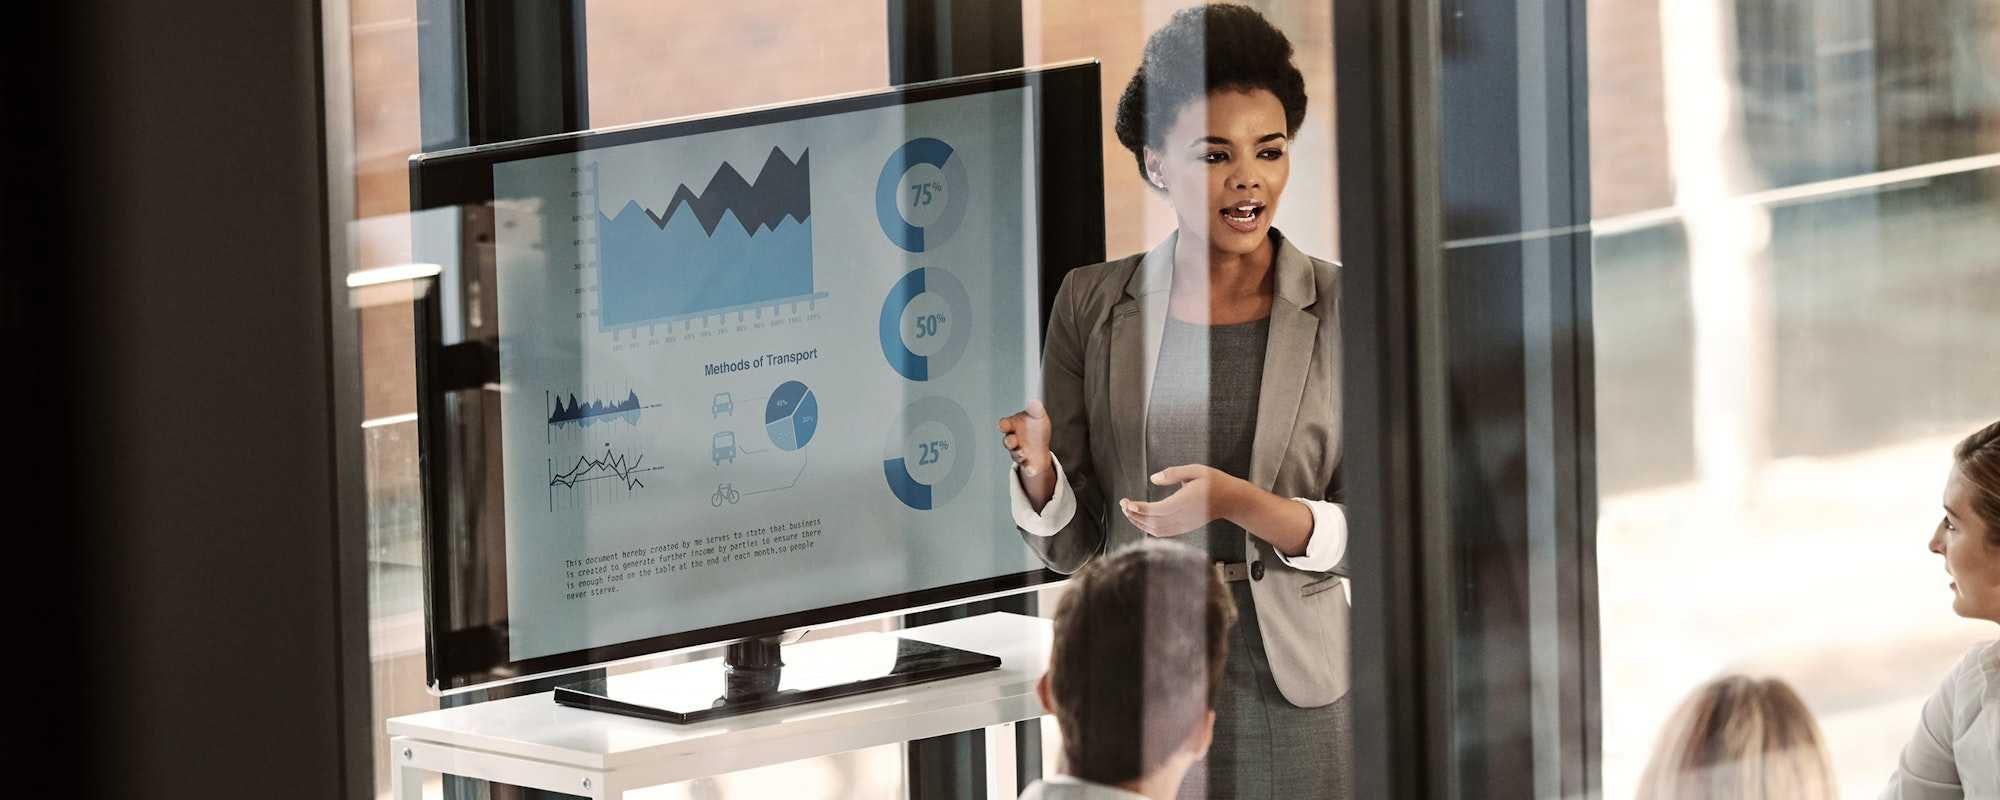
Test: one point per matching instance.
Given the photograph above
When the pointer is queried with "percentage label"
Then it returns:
(923, 192)
(932, 452)
(927, 324)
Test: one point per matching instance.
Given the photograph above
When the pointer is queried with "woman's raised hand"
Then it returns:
(1026, 436)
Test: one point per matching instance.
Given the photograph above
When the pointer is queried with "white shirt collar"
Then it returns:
(1113, 791)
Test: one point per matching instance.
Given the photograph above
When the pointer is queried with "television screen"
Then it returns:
(699, 380)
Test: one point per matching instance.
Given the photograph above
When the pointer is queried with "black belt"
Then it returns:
(1233, 571)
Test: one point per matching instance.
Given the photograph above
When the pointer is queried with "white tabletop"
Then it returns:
(534, 727)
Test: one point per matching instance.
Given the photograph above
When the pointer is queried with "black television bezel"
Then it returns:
(1068, 145)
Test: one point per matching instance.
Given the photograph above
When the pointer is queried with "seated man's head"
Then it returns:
(1139, 643)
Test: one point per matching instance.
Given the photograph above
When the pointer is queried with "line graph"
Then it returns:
(587, 472)
(783, 189)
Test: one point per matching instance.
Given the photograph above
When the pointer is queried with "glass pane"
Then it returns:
(1115, 33)
(654, 60)
(649, 61)
(385, 125)
(1139, 217)
(1765, 231)
(1796, 280)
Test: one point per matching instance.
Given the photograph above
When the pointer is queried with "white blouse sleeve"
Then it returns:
(1327, 543)
(1054, 515)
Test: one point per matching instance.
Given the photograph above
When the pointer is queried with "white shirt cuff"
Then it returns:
(1055, 515)
(1327, 543)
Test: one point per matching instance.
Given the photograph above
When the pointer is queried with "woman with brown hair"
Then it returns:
(1739, 738)
(1956, 749)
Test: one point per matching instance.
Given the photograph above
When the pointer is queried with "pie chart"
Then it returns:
(791, 416)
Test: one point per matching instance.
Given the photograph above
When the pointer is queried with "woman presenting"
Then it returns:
(1193, 392)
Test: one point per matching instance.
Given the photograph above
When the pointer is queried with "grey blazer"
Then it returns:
(1097, 374)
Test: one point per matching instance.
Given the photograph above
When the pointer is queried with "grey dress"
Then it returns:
(1204, 411)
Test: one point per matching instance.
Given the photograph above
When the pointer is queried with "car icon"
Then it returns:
(724, 404)
(722, 447)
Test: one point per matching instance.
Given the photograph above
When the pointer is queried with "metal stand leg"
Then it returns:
(1001, 762)
(405, 782)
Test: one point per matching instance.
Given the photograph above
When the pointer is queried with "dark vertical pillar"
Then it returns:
(495, 72)
(188, 297)
(934, 39)
(931, 40)
(37, 351)
(1515, 182)
(1385, 62)
(499, 71)
(1468, 393)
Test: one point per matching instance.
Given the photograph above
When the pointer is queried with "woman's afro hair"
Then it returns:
(1205, 49)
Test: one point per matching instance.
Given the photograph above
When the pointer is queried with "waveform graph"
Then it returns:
(737, 244)
(610, 477)
(566, 412)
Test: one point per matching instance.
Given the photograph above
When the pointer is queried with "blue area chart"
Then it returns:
(950, 324)
(899, 184)
(791, 416)
(736, 244)
(927, 460)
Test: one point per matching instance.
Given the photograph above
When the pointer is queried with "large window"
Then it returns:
(1796, 284)
(1795, 272)
(647, 61)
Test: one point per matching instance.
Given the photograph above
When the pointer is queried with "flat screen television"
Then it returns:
(719, 379)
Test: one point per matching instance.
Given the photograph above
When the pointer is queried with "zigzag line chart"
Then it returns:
(581, 478)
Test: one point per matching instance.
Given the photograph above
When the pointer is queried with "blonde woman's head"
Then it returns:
(1739, 738)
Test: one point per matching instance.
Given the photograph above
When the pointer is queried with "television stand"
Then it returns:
(529, 741)
(752, 676)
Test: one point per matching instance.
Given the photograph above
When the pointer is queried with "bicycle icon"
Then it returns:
(723, 492)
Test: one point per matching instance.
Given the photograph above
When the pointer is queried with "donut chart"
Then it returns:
(951, 323)
(921, 461)
(944, 183)
(791, 416)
